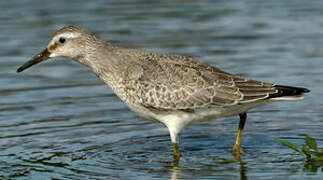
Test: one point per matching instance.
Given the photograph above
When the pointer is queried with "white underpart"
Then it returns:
(175, 123)
(296, 97)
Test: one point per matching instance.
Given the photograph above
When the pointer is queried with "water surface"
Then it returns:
(58, 121)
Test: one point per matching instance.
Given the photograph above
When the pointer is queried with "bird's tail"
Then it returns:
(288, 93)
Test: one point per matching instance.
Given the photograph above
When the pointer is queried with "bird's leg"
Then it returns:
(175, 140)
(176, 154)
(174, 127)
(237, 145)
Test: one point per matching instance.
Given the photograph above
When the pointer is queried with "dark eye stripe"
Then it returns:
(53, 47)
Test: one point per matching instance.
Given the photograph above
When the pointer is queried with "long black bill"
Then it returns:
(35, 60)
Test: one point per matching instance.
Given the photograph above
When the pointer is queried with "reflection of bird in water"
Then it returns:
(175, 90)
(175, 173)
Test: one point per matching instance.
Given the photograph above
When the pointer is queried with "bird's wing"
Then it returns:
(178, 82)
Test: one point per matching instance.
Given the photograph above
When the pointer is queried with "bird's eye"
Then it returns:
(62, 40)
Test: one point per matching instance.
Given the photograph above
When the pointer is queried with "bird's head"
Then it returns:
(68, 42)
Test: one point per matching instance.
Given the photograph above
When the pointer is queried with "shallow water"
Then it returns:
(58, 121)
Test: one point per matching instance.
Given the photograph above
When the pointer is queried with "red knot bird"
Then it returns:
(175, 90)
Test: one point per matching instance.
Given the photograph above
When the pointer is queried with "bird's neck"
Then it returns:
(108, 63)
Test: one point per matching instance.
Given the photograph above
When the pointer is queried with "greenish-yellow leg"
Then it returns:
(237, 145)
(177, 154)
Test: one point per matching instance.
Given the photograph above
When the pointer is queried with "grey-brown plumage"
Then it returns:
(175, 90)
(178, 82)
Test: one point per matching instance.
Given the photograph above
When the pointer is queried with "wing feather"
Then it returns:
(178, 82)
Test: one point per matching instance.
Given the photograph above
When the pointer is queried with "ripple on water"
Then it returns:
(58, 121)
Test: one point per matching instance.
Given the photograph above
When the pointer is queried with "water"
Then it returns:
(58, 121)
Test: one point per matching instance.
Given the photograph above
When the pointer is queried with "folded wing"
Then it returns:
(178, 82)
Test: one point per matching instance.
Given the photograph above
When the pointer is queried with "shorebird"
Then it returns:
(175, 90)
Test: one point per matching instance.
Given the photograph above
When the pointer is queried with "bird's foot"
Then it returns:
(176, 161)
(237, 150)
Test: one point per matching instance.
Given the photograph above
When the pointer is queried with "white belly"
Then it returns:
(176, 120)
